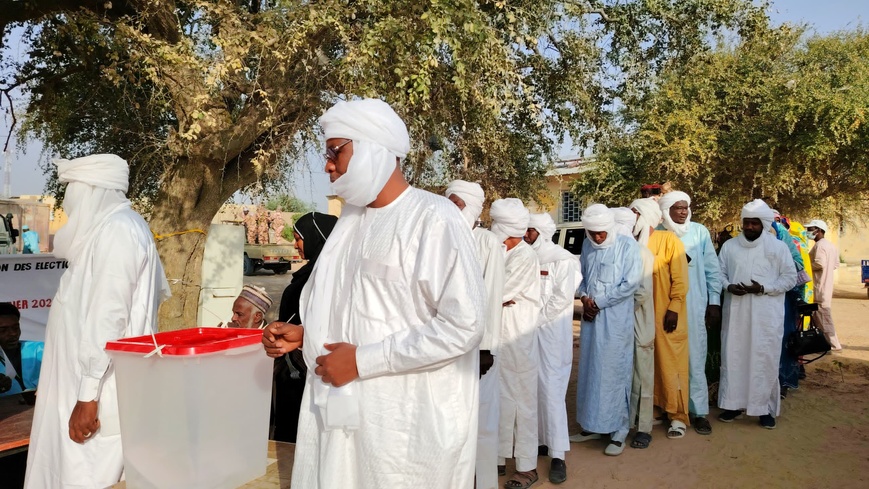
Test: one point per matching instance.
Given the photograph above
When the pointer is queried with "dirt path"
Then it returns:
(822, 438)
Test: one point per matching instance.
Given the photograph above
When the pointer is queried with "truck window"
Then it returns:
(556, 236)
(573, 239)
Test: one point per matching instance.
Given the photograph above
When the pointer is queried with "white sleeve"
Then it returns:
(118, 265)
(563, 276)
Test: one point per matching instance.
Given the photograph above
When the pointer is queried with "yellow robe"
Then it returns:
(670, 288)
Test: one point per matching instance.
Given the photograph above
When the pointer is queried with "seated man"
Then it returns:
(250, 308)
(20, 361)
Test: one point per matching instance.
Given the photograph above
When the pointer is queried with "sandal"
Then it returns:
(677, 430)
(522, 480)
(502, 470)
(641, 440)
(702, 426)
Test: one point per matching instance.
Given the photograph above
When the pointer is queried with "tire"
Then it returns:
(248, 266)
(281, 269)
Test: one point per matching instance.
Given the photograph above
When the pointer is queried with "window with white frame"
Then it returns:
(571, 210)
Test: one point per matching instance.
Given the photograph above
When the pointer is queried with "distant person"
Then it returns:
(30, 239)
(250, 308)
(612, 271)
(651, 191)
(559, 278)
(20, 361)
(469, 198)
(112, 289)
(250, 226)
(704, 298)
(393, 317)
(825, 260)
(520, 357)
(756, 271)
(310, 232)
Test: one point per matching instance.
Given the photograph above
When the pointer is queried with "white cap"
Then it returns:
(817, 223)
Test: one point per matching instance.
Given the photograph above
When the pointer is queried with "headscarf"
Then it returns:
(379, 137)
(597, 218)
(256, 296)
(509, 219)
(544, 225)
(472, 194)
(625, 220)
(758, 209)
(650, 217)
(668, 200)
(314, 228)
(96, 188)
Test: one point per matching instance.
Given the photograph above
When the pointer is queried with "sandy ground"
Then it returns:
(822, 438)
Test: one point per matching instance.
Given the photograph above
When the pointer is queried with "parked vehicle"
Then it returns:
(570, 236)
(864, 269)
(8, 235)
(276, 257)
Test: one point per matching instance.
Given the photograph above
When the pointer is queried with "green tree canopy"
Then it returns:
(780, 116)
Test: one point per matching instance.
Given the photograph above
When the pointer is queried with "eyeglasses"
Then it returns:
(332, 153)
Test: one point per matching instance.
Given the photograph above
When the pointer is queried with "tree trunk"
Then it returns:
(189, 198)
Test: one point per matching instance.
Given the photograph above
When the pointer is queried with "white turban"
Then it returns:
(96, 188)
(625, 220)
(817, 223)
(379, 137)
(509, 218)
(758, 209)
(666, 201)
(473, 196)
(597, 218)
(545, 227)
(104, 171)
(650, 217)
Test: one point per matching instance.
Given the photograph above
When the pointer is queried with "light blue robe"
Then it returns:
(31, 362)
(704, 288)
(610, 277)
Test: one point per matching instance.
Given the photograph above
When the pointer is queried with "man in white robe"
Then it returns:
(612, 270)
(559, 279)
(393, 316)
(825, 261)
(519, 355)
(756, 271)
(469, 198)
(704, 298)
(111, 290)
(643, 381)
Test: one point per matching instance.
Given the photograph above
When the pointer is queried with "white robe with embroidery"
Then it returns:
(751, 330)
(113, 292)
(519, 357)
(559, 279)
(402, 282)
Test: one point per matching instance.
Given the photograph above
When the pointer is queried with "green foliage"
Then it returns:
(236, 86)
(775, 116)
(289, 203)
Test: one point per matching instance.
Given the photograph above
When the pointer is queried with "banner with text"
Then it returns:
(30, 282)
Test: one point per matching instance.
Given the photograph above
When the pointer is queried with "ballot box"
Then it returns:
(195, 415)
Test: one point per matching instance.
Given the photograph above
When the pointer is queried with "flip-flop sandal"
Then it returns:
(677, 430)
(641, 440)
(522, 480)
(702, 426)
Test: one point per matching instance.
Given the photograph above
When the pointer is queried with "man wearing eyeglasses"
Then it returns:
(392, 315)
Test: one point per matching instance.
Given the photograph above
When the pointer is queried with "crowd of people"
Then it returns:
(418, 349)
(263, 226)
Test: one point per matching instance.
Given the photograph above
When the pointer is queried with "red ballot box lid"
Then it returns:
(193, 341)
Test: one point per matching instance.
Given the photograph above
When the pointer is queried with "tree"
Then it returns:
(289, 203)
(778, 116)
(205, 97)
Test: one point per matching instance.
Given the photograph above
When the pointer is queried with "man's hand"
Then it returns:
(736, 289)
(280, 338)
(5, 383)
(589, 309)
(754, 288)
(486, 361)
(671, 320)
(713, 316)
(339, 367)
(83, 422)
